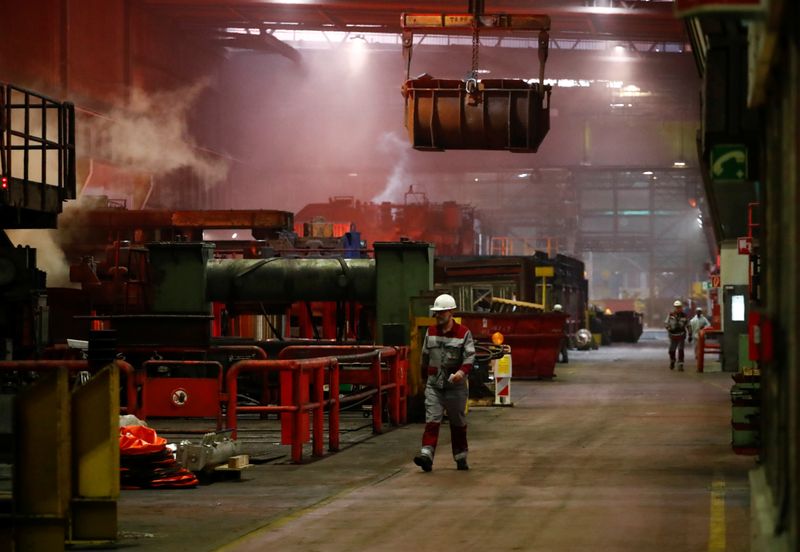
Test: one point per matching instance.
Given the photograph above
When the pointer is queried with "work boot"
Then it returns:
(680, 367)
(671, 364)
(424, 461)
(462, 465)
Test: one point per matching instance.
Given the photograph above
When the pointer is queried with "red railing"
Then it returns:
(297, 369)
(395, 382)
(342, 366)
(705, 346)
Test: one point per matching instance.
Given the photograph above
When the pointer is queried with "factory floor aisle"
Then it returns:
(617, 453)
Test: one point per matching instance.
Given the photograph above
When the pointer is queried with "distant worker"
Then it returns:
(563, 355)
(697, 323)
(675, 324)
(448, 354)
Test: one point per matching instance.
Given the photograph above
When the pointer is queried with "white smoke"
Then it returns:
(49, 256)
(398, 181)
(151, 133)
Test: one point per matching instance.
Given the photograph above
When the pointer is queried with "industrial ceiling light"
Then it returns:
(679, 164)
(523, 175)
(648, 173)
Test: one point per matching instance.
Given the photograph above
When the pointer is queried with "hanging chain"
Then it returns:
(408, 50)
(475, 46)
(471, 82)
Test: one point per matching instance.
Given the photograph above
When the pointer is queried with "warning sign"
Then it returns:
(502, 380)
(180, 397)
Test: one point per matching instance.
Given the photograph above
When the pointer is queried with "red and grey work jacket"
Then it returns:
(445, 354)
(675, 323)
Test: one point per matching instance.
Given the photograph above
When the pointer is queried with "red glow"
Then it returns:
(4, 182)
(692, 202)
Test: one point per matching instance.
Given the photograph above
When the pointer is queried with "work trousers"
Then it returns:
(676, 343)
(452, 399)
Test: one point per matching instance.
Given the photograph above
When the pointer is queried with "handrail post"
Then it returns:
(333, 413)
(395, 377)
(297, 438)
(701, 350)
(377, 402)
(231, 387)
(319, 410)
(130, 386)
(220, 386)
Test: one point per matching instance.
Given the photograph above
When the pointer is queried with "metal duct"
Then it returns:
(282, 280)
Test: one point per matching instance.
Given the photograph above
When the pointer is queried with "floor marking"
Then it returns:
(716, 522)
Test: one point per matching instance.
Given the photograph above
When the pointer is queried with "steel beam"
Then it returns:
(95, 457)
(42, 475)
(505, 22)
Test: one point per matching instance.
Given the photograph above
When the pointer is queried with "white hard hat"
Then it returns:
(677, 303)
(443, 303)
(557, 307)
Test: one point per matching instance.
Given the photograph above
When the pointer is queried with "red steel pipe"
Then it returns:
(377, 400)
(335, 405)
(130, 386)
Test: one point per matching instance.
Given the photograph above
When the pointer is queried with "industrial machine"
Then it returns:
(449, 226)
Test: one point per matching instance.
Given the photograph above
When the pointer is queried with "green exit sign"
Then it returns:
(729, 162)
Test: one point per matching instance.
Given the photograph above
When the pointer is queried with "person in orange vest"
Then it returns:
(675, 323)
(448, 354)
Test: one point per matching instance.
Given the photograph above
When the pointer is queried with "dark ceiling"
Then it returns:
(623, 20)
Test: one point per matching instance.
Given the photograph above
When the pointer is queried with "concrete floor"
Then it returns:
(617, 453)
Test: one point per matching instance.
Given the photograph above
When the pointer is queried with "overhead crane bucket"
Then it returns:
(496, 114)
(489, 114)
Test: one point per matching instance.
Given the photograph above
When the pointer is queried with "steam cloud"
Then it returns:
(397, 183)
(151, 134)
(49, 256)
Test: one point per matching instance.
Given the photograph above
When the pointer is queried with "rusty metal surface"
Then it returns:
(503, 114)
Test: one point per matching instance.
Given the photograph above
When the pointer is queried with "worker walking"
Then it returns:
(448, 354)
(675, 323)
(697, 323)
(563, 355)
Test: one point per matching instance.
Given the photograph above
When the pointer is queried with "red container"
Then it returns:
(535, 339)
